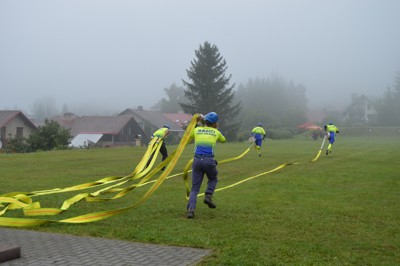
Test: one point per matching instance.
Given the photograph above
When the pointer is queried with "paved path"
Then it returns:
(38, 248)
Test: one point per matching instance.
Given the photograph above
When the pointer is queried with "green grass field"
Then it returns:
(343, 209)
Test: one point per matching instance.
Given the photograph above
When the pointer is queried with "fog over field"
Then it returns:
(111, 55)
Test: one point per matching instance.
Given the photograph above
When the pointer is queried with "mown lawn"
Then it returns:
(343, 209)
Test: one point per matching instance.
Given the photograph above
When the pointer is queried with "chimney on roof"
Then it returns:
(69, 116)
(140, 108)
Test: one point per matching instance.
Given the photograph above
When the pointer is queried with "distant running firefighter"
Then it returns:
(331, 131)
(259, 135)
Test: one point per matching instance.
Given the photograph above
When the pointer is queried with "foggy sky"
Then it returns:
(123, 53)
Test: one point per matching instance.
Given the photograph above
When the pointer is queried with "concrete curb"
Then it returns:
(9, 252)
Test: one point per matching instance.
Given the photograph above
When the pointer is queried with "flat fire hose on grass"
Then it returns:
(104, 181)
(34, 209)
(249, 178)
(190, 162)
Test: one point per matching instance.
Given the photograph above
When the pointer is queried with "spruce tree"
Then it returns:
(208, 89)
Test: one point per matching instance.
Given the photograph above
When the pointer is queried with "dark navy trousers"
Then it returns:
(331, 137)
(202, 165)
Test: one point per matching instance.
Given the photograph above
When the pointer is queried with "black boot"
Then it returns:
(190, 214)
(209, 202)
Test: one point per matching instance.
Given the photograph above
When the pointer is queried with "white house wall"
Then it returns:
(11, 127)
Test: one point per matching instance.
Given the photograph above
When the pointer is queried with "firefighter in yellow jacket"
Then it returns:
(204, 163)
(259, 134)
(162, 134)
(331, 131)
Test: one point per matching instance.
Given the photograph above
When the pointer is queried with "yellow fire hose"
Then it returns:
(34, 210)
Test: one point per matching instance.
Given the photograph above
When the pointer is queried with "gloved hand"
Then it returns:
(200, 118)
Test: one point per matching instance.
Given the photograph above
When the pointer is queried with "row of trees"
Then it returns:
(274, 101)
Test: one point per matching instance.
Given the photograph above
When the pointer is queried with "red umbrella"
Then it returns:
(309, 126)
(314, 128)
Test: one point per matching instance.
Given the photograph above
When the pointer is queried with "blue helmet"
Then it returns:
(259, 124)
(167, 126)
(330, 123)
(211, 117)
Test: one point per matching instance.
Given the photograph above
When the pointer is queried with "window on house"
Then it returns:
(20, 132)
(141, 124)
